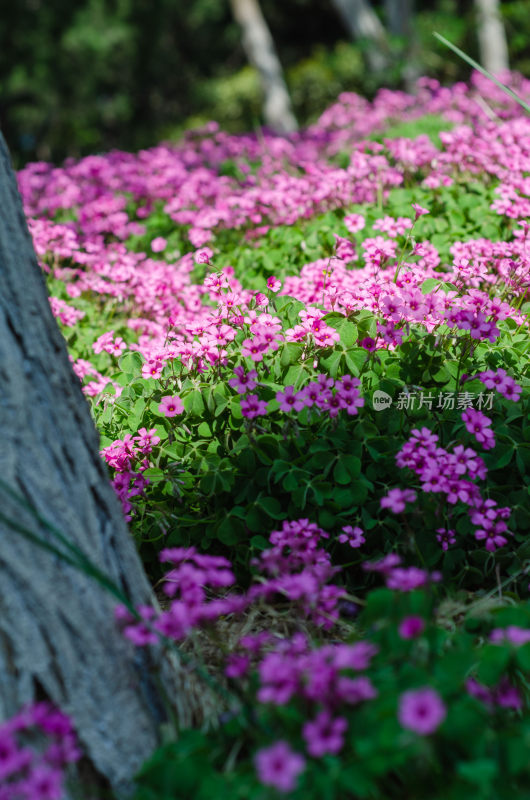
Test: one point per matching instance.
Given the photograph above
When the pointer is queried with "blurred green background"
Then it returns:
(89, 76)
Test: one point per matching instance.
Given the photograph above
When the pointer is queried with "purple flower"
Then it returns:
(244, 381)
(419, 211)
(406, 579)
(324, 734)
(512, 634)
(396, 499)
(353, 536)
(502, 382)
(252, 406)
(445, 538)
(508, 696)
(410, 627)
(479, 424)
(288, 400)
(368, 344)
(421, 710)
(279, 766)
(491, 533)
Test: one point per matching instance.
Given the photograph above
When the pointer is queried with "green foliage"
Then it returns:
(476, 751)
(91, 76)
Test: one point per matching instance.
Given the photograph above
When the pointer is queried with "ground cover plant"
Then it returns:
(308, 361)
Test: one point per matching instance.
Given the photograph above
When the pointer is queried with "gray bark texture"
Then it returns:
(58, 638)
(491, 36)
(259, 47)
(362, 22)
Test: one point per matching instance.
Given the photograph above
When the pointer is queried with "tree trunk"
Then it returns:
(399, 16)
(362, 22)
(58, 638)
(260, 50)
(491, 36)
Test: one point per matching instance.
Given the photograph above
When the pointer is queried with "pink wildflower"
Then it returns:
(244, 381)
(290, 401)
(479, 424)
(158, 244)
(203, 256)
(279, 766)
(252, 406)
(410, 627)
(324, 734)
(353, 536)
(274, 284)
(419, 211)
(396, 499)
(171, 406)
(421, 711)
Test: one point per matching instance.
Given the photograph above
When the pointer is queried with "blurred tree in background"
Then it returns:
(93, 75)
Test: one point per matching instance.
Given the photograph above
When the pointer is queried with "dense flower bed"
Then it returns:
(308, 360)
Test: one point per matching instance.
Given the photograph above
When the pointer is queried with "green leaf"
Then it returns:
(523, 657)
(193, 403)
(332, 363)
(271, 506)
(341, 474)
(493, 662)
(231, 530)
(291, 353)
(347, 330)
(355, 360)
(154, 474)
(131, 363)
(485, 72)
(481, 771)
(428, 285)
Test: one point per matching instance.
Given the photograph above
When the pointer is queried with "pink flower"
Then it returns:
(421, 711)
(290, 401)
(279, 766)
(368, 344)
(406, 579)
(171, 406)
(244, 381)
(354, 222)
(396, 499)
(479, 424)
(410, 627)
(253, 348)
(445, 537)
(512, 634)
(502, 382)
(152, 368)
(419, 211)
(324, 734)
(158, 244)
(274, 284)
(252, 406)
(237, 666)
(353, 536)
(203, 256)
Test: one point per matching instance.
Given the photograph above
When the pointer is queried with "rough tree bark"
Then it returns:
(259, 47)
(58, 638)
(491, 36)
(362, 22)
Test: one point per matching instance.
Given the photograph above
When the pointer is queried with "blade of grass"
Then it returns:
(477, 66)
